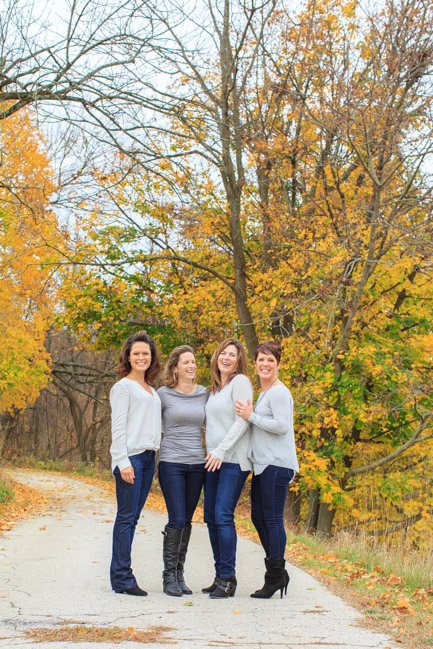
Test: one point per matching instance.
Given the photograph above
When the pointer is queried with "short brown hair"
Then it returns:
(169, 377)
(124, 366)
(270, 348)
(241, 367)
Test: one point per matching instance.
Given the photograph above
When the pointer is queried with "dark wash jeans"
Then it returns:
(130, 502)
(222, 489)
(181, 487)
(268, 495)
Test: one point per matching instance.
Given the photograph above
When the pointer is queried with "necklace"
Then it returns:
(262, 393)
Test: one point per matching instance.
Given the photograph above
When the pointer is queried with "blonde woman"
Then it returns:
(181, 461)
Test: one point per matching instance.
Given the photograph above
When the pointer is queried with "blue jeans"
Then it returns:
(130, 502)
(181, 487)
(222, 489)
(268, 495)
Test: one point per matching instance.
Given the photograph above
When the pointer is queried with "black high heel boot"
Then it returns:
(186, 534)
(226, 588)
(170, 555)
(276, 578)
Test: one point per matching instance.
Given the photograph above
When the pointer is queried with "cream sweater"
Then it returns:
(135, 421)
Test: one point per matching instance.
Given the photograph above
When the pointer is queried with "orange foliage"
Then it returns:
(27, 227)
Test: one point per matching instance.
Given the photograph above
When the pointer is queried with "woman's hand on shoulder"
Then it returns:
(128, 474)
(244, 410)
(213, 463)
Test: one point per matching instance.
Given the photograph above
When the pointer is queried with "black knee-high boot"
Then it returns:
(186, 534)
(170, 555)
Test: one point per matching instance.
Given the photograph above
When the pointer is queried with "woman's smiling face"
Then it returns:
(186, 367)
(140, 357)
(228, 361)
(267, 367)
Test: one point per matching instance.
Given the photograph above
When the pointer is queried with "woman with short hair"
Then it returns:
(273, 455)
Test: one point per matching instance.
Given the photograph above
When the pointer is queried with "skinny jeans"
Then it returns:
(222, 489)
(130, 502)
(181, 486)
(268, 495)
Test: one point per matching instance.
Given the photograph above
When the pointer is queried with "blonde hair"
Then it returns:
(169, 376)
(241, 367)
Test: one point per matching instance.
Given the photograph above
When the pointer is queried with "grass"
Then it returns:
(18, 501)
(6, 493)
(392, 585)
(86, 469)
(414, 567)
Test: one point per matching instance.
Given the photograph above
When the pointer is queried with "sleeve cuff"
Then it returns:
(218, 453)
(123, 464)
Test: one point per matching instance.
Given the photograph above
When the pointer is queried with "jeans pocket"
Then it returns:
(284, 477)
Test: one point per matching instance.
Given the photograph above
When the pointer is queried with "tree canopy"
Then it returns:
(273, 178)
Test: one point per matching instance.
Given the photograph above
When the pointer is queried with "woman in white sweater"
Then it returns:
(136, 435)
(227, 463)
(273, 454)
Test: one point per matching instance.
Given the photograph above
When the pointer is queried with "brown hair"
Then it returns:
(169, 376)
(270, 348)
(124, 366)
(241, 367)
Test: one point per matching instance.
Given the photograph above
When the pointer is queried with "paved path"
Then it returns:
(54, 569)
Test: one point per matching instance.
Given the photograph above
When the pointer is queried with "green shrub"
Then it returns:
(6, 493)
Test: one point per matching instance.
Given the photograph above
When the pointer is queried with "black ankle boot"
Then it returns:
(186, 534)
(226, 588)
(268, 566)
(276, 578)
(212, 587)
(170, 555)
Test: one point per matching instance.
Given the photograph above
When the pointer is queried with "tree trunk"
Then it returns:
(292, 508)
(325, 518)
(313, 510)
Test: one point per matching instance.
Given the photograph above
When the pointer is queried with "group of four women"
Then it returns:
(240, 437)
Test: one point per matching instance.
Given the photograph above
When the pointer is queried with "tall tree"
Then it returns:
(325, 179)
(26, 262)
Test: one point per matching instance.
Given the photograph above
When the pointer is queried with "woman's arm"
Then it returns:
(281, 405)
(241, 391)
(119, 400)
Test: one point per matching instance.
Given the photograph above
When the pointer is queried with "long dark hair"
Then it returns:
(124, 366)
(241, 367)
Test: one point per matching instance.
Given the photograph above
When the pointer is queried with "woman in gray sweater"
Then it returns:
(181, 461)
(273, 454)
(227, 463)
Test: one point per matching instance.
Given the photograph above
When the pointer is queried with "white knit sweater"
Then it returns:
(135, 421)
